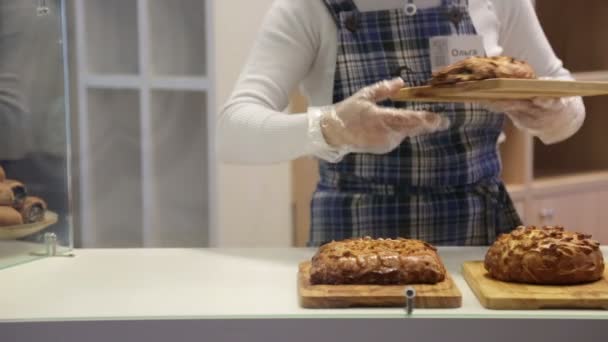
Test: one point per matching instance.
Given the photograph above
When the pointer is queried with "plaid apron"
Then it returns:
(444, 187)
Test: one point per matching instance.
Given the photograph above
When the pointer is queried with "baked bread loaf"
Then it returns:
(377, 261)
(9, 217)
(548, 255)
(2, 174)
(482, 68)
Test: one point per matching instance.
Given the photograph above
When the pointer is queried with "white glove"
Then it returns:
(550, 119)
(358, 124)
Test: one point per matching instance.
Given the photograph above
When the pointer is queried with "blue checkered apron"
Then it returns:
(443, 188)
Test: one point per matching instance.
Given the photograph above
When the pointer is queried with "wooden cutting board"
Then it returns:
(499, 295)
(501, 88)
(442, 295)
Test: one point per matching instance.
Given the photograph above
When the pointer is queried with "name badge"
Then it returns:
(447, 50)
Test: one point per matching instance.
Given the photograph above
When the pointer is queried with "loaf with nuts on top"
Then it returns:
(547, 255)
(377, 261)
(483, 68)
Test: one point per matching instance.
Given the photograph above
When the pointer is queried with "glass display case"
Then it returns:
(145, 176)
(35, 216)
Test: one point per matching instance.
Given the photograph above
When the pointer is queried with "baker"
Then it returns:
(417, 170)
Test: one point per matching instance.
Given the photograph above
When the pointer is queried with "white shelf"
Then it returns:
(110, 35)
(177, 31)
(600, 76)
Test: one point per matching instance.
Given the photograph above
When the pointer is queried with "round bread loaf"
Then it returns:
(547, 255)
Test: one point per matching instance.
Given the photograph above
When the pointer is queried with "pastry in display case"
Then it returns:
(9, 217)
(14, 193)
(34, 126)
(33, 209)
(21, 215)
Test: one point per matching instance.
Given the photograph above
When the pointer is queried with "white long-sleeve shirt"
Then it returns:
(297, 46)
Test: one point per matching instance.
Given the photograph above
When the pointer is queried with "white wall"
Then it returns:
(254, 201)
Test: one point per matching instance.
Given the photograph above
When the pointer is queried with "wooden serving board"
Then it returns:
(501, 88)
(499, 295)
(442, 295)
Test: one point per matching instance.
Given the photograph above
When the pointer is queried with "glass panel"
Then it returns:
(111, 33)
(113, 218)
(177, 49)
(179, 214)
(33, 130)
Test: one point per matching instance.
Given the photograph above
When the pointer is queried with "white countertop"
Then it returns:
(133, 284)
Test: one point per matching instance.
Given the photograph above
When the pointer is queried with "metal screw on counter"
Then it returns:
(50, 242)
(410, 300)
(50, 245)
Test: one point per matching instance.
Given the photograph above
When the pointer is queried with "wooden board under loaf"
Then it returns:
(441, 295)
(496, 89)
(499, 295)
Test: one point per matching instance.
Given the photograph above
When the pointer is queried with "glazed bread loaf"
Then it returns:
(482, 68)
(548, 255)
(377, 261)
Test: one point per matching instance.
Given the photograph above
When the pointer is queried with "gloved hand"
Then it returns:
(358, 124)
(550, 119)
